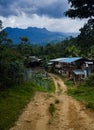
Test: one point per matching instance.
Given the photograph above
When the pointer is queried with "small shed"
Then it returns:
(78, 76)
(34, 61)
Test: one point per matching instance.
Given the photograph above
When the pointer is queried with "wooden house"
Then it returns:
(76, 68)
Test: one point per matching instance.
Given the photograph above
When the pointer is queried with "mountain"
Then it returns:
(35, 35)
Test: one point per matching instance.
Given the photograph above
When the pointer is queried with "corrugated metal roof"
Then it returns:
(78, 72)
(56, 60)
(70, 59)
(49, 63)
(66, 60)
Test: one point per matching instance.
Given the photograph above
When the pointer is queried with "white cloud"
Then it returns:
(38, 13)
(67, 25)
(52, 24)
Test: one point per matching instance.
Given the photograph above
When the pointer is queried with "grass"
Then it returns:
(69, 83)
(52, 109)
(57, 101)
(13, 100)
(83, 94)
(51, 87)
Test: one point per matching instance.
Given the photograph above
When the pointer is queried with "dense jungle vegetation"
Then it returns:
(13, 57)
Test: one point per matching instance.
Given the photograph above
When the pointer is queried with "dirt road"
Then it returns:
(69, 114)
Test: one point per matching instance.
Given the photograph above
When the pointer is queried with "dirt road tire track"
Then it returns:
(69, 114)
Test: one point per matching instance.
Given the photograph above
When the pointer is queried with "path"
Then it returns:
(69, 114)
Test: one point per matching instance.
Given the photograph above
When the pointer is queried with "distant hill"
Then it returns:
(35, 35)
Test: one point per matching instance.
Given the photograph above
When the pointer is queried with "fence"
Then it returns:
(39, 77)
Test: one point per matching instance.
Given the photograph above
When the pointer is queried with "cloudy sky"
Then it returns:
(38, 13)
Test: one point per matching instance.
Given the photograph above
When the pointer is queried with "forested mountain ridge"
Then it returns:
(36, 35)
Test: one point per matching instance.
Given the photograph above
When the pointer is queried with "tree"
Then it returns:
(25, 48)
(81, 9)
(72, 50)
(11, 67)
(11, 62)
(50, 50)
(86, 38)
(24, 40)
(91, 52)
(1, 25)
(87, 32)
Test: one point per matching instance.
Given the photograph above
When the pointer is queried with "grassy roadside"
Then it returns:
(13, 100)
(83, 93)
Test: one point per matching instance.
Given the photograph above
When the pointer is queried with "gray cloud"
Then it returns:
(50, 8)
(5, 8)
(54, 10)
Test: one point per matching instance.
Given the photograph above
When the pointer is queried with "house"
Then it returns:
(76, 68)
(71, 63)
(66, 65)
(34, 61)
